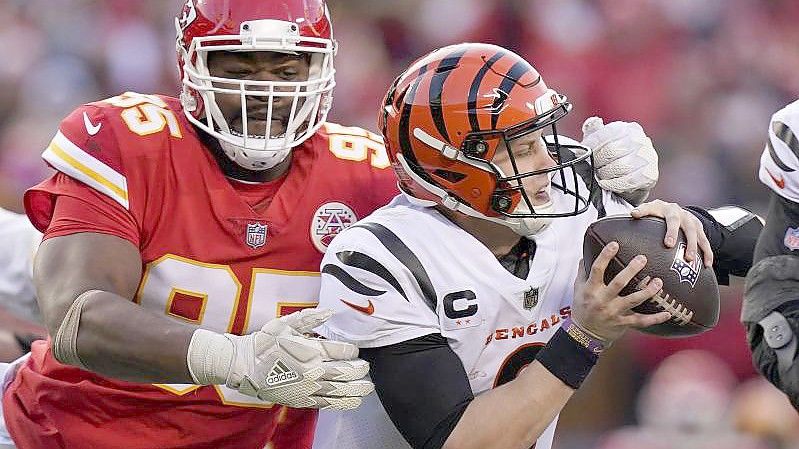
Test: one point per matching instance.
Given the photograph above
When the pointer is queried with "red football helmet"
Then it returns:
(445, 118)
(288, 26)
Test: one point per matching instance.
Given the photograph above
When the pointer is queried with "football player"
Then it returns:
(177, 230)
(771, 302)
(19, 315)
(461, 292)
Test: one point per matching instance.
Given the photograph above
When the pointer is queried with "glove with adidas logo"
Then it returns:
(280, 364)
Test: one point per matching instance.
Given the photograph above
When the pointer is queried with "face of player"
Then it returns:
(258, 66)
(529, 153)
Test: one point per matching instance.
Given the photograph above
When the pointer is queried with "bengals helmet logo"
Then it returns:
(498, 105)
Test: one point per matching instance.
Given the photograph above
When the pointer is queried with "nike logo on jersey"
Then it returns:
(779, 181)
(91, 128)
(370, 309)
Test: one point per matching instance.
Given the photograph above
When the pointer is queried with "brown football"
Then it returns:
(690, 290)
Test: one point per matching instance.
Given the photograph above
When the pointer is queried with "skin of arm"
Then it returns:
(117, 337)
(513, 415)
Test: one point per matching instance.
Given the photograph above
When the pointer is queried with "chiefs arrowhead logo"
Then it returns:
(187, 15)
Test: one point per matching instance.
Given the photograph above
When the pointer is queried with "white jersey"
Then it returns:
(779, 164)
(438, 279)
(18, 243)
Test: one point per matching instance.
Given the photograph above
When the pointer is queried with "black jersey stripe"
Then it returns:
(511, 79)
(349, 281)
(404, 254)
(365, 262)
(785, 134)
(776, 158)
(475, 88)
(436, 87)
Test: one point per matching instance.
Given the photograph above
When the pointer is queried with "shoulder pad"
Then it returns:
(779, 164)
(90, 142)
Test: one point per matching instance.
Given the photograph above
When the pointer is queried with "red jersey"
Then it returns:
(214, 253)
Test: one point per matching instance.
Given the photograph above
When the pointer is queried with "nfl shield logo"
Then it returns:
(256, 235)
(531, 298)
(792, 239)
(686, 271)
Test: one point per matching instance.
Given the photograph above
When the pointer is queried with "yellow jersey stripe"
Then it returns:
(76, 164)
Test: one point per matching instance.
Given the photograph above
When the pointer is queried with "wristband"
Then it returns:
(567, 359)
(584, 337)
(210, 357)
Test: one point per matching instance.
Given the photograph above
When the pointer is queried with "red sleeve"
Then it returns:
(384, 187)
(62, 206)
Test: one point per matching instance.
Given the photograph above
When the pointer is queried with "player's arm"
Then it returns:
(771, 300)
(114, 336)
(727, 243)
(86, 282)
(425, 390)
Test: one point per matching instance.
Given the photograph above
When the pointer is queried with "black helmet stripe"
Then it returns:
(475, 87)
(436, 85)
(405, 119)
(511, 79)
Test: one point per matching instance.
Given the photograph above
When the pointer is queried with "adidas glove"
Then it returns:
(281, 365)
(625, 160)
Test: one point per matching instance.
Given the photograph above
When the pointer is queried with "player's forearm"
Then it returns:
(120, 339)
(513, 415)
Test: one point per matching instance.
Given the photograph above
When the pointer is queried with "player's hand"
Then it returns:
(600, 311)
(678, 218)
(280, 364)
(625, 159)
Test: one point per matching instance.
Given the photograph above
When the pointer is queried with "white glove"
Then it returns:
(625, 160)
(281, 365)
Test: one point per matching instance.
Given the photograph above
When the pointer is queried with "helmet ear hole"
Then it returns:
(501, 203)
(451, 176)
(475, 148)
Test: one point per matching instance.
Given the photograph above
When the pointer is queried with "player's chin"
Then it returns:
(258, 128)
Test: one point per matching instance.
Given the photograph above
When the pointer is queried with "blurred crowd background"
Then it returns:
(702, 77)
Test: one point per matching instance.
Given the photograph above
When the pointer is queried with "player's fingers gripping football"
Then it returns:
(593, 308)
(596, 278)
(650, 288)
(678, 218)
(598, 307)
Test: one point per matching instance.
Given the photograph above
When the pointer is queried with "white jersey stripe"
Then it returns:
(70, 159)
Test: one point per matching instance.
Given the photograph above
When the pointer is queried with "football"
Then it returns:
(690, 290)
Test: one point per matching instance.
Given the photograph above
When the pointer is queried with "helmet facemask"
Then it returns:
(511, 204)
(310, 100)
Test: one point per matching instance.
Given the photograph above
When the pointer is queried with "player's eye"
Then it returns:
(239, 72)
(288, 73)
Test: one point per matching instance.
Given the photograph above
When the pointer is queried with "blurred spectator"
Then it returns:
(761, 410)
(684, 405)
